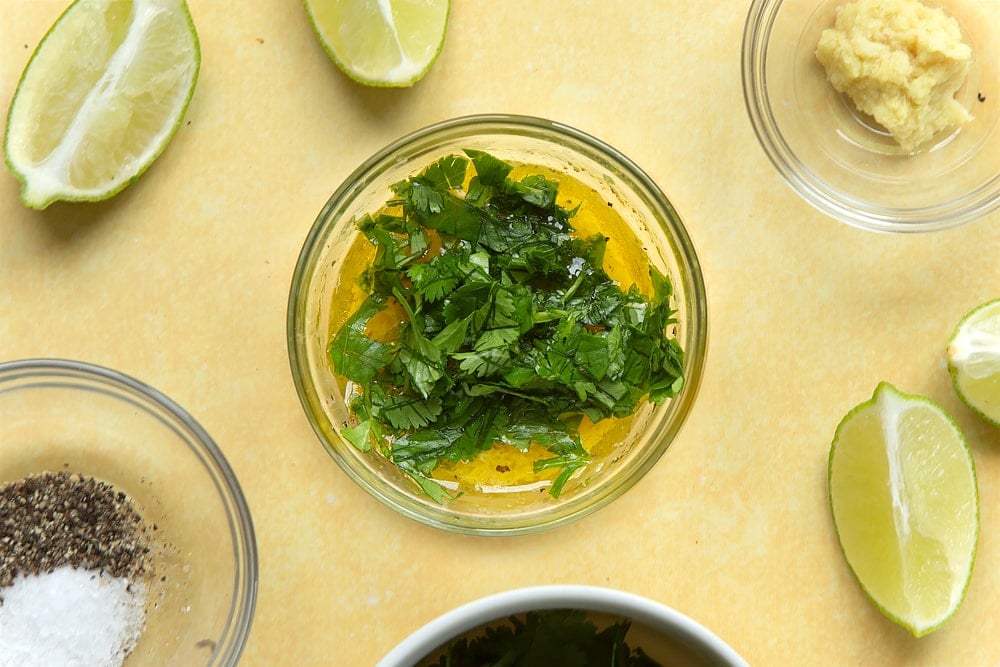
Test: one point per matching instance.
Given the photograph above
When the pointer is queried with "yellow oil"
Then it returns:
(503, 468)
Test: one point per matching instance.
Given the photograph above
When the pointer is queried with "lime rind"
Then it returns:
(39, 189)
(402, 74)
(887, 397)
(973, 357)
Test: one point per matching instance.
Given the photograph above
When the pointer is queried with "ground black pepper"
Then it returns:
(51, 520)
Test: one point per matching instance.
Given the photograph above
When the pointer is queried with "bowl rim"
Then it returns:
(470, 615)
(67, 373)
(760, 18)
(527, 126)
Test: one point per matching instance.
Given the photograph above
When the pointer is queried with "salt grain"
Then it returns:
(70, 618)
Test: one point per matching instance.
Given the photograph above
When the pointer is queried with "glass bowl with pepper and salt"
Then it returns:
(124, 535)
(497, 324)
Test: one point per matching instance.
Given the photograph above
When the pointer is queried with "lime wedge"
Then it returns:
(974, 360)
(100, 98)
(381, 42)
(905, 506)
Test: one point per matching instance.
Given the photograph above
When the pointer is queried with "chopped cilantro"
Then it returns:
(563, 637)
(512, 330)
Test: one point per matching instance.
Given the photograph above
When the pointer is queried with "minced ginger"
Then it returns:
(901, 62)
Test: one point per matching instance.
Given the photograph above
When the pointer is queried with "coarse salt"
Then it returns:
(70, 618)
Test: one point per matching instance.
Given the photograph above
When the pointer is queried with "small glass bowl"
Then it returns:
(58, 415)
(524, 140)
(841, 161)
(665, 634)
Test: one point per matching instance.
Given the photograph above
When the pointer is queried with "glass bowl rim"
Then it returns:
(497, 606)
(534, 128)
(72, 374)
(971, 206)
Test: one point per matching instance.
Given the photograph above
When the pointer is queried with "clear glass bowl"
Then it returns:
(665, 634)
(843, 163)
(317, 277)
(58, 415)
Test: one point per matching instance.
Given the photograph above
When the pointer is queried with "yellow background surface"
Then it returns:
(182, 281)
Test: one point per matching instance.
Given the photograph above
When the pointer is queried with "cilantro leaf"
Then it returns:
(449, 339)
(482, 363)
(434, 281)
(490, 171)
(361, 434)
(354, 355)
(405, 412)
(448, 173)
(535, 189)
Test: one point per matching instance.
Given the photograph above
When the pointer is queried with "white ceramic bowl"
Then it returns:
(666, 635)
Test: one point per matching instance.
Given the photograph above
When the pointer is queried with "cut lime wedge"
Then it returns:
(100, 98)
(974, 360)
(381, 42)
(905, 506)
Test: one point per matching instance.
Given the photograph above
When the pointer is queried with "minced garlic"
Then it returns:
(901, 63)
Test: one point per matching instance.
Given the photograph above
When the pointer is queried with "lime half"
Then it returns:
(381, 42)
(101, 97)
(905, 506)
(974, 360)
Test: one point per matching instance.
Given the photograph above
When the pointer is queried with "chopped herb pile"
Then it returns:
(545, 639)
(511, 331)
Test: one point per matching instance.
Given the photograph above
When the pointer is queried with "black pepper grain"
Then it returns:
(51, 520)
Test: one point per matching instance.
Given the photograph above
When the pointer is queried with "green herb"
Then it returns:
(546, 638)
(512, 331)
